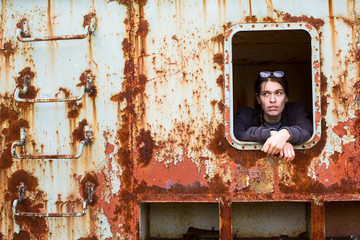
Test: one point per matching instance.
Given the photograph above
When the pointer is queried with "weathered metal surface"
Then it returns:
(158, 113)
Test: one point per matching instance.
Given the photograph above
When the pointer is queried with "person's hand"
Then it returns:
(287, 153)
(276, 142)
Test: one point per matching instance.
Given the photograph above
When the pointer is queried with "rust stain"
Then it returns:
(220, 146)
(226, 27)
(220, 81)
(93, 91)
(250, 8)
(73, 109)
(14, 181)
(221, 106)
(219, 59)
(268, 20)
(11, 133)
(316, 22)
(139, 85)
(49, 20)
(72, 106)
(323, 80)
(251, 19)
(225, 219)
(143, 28)
(124, 134)
(87, 19)
(88, 238)
(6, 157)
(37, 227)
(78, 133)
(83, 78)
(219, 38)
(126, 2)
(141, 2)
(214, 186)
(70, 203)
(31, 92)
(146, 145)
(305, 184)
(8, 115)
(21, 79)
(8, 50)
(89, 179)
(213, 103)
(65, 91)
(20, 24)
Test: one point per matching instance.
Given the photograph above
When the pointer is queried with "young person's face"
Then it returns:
(272, 99)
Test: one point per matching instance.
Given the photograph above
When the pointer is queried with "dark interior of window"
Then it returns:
(284, 50)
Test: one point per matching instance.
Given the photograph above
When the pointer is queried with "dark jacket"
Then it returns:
(294, 118)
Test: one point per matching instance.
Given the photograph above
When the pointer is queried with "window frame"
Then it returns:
(315, 79)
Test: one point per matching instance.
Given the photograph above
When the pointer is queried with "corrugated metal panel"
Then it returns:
(157, 112)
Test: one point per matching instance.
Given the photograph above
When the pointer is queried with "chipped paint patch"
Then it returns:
(104, 229)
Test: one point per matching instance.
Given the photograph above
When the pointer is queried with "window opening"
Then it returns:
(171, 220)
(289, 47)
(275, 220)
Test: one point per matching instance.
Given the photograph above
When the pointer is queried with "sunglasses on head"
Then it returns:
(276, 74)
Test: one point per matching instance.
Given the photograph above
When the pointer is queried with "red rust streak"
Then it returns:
(37, 227)
(251, 19)
(225, 220)
(316, 22)
(125, 153)
(146, 145)
(87, 19)
(78, 133)
(317, 221)
(219, 59)
(143, 28)
(89, 179)
(88, 238)
(141, 2)
(11, 133)
(22, 235)
(219, 146)
(8, 50)
(31, 92)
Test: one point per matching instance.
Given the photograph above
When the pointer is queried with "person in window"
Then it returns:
(274, 121)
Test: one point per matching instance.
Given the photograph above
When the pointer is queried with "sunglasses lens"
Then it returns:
(265, 74)
(278, 73)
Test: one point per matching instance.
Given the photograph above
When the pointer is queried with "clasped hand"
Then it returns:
(278, 143)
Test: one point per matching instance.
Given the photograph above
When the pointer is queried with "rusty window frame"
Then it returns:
(315, 75)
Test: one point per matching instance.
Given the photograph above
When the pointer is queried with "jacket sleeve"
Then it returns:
(301, 129)
(243, 129)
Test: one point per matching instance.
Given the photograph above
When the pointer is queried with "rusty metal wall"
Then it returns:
(156, 110)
